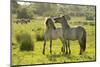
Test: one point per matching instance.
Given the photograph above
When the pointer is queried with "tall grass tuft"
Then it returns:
(39, 36)
(26, 42)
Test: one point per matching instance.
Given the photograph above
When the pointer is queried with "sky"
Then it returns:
(23, 3)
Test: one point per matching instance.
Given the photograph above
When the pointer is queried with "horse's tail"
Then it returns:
(84, 40)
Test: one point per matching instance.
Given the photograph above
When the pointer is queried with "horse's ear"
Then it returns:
(61, 15)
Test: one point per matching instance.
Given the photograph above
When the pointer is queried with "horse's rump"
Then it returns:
(74, 33)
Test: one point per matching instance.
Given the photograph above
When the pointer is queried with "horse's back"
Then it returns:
(74, 33)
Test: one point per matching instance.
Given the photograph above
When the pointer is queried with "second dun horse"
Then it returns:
(74, 33)
(52, 33)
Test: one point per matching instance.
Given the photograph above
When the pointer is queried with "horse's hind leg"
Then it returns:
(66, 46)
(44, 47)
(81, 49)
(63, 46)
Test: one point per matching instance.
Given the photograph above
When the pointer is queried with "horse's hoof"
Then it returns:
(62, 50)
(43, 53)
(66, 52)
(80, 53)
(70, 52)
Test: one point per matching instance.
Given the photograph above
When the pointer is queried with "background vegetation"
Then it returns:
(27, 39)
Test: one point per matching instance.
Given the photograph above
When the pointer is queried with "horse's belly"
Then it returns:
(71, 35)
(72, 38)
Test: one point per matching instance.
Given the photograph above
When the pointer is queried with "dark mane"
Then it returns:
(66, 23)
(51, 22)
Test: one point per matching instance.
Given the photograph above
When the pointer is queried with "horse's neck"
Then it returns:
(65, 25)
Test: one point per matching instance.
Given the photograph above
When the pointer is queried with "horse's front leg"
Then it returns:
(66, 46)
(51, 46)
(44, 47)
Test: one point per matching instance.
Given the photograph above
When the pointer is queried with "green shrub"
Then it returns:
(85, 23)
(13, 43)
(89, 18)
(24, 13)
(26, 42)
(18, 37)
(38, 29)
(91, 23)
(39, 36)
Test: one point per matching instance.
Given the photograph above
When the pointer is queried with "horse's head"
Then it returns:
(50, 23)
(59, 19)
(62, 20)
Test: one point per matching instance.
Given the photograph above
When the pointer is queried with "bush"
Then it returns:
(24, 13)
(26, 42)
(39, 36)
(13, 43)
(38, 29)
(85, 23)
(91, 23)
(89, 18)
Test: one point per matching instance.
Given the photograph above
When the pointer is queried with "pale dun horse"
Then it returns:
(75, 33)
(52, 33)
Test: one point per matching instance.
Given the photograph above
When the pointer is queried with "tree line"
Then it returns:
(50, 9)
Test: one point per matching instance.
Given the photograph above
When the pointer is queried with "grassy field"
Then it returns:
(37, 26)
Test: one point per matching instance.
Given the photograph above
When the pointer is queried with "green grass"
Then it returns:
(36, 56)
